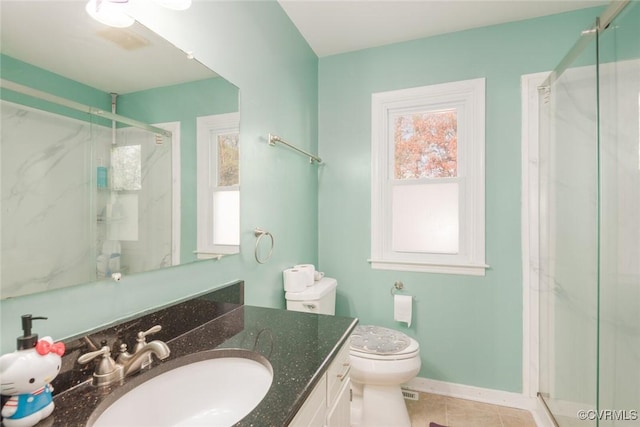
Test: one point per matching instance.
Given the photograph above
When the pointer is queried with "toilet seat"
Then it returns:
(412, 351)
(378, 343)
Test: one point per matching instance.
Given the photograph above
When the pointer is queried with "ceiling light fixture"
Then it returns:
(110, 12)
(175, 4)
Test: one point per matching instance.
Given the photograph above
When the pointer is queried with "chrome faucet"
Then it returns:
(109, 371)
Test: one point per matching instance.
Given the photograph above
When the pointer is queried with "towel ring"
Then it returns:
(260, 233)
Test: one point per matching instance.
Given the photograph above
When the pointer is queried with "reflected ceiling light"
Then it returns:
(110, 12)
(175, 4)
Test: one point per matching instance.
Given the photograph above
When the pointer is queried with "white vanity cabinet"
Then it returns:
(329, 402)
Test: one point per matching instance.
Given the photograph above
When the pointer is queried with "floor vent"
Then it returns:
(409, 394)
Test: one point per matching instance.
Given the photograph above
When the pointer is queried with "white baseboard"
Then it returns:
(484, 395)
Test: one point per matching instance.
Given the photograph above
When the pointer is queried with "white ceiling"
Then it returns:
(337, 26)
(59, 35)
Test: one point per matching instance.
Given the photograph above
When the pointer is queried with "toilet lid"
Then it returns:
(378, 340)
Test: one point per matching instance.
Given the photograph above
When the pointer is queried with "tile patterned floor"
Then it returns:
(452, 412)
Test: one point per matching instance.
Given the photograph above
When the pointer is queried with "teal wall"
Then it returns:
(255, 46)
(28, 75)
(469, 328)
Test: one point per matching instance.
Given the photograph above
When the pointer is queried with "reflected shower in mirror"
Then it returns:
(85, 193)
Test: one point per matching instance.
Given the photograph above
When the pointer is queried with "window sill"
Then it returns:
(228, 250)
(208, 255)
(462, 269)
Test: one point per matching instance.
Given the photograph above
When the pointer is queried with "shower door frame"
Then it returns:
(530, 228)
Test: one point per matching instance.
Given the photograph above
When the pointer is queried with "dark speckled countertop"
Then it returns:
(299, 346)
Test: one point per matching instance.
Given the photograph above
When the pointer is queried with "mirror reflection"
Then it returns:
(86, 194)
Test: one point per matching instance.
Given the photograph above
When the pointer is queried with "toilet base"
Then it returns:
(378, 406)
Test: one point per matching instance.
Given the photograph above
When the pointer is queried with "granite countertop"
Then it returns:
(299, 346)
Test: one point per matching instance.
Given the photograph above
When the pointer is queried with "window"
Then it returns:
(218, 185)
(126, 163)
(428, 179)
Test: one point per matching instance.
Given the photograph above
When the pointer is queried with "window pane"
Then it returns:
(226, 217)
(425, 218)
(426, 145)
(228, 160)
(127, 167)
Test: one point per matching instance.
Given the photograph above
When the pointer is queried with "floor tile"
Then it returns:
(452, 412)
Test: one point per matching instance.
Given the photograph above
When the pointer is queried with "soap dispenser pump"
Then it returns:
(28, 340)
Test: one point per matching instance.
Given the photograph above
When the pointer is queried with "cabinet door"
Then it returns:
(312, 413)
(337, 374)
(340, 413)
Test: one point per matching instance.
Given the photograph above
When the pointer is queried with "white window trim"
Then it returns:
(469, 97)
(219, 123)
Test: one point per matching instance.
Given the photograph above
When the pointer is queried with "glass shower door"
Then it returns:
(590, 229)
(619, 102)
(569, 240)
(135, 223)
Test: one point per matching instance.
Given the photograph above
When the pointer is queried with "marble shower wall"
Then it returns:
(48, 230)
(568, 241)
(590, 242)
(144, 227)
(619, 356)
(54, 218)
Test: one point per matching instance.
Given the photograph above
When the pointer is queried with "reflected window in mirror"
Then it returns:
(218, 185)
(127, 167)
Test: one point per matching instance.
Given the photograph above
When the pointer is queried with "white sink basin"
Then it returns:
(217, 391)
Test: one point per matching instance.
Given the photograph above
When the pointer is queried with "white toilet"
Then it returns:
(381, 361)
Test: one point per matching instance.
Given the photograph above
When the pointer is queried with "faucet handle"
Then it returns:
(150, 331)
(88, 357)
(142, 337)
(106, 365)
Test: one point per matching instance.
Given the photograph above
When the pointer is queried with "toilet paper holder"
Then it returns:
(398, 286)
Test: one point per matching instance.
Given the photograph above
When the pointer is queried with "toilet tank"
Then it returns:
(318, 298)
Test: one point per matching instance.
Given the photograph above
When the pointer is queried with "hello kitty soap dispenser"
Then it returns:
(25, 376)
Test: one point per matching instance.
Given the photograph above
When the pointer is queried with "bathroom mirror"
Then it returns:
(83, 197)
